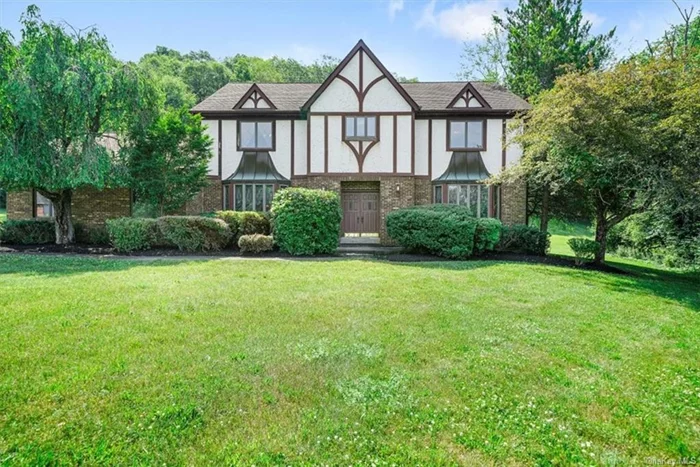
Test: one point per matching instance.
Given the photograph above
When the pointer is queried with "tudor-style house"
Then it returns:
(380, 144)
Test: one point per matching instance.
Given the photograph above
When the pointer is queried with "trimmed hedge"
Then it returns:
(523, 239)
(487, 234)
(255, 243)
(194, 233)
(244, 223)
(437, 229)
(28, 231)
(91, 235)
(128, 234)
(305, 221)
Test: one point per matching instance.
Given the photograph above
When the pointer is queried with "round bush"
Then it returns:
(194, 233)
(255, 243)
(306, 222)
(128, 234)
(523, 239)
(244, 223)
(487, 234)
(584, 249)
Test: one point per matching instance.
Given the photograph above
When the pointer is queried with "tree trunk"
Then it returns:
(601, 236)
(544, 211)
(65, 233)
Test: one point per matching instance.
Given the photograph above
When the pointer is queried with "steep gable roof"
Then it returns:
(336, 73)
(256, 95)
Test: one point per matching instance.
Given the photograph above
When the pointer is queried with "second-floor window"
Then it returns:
(466, 134)
(360, 128)
(256, 136)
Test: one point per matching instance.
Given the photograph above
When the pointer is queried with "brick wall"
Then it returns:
(20, 205)
(394, 192)
(208, 200)
(514, 203)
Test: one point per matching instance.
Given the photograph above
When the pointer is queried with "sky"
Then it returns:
(414, 38)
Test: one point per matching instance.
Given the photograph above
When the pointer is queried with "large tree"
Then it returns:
(64, 99)
(169, 160)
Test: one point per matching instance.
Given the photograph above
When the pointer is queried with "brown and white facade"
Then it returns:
(381, 144)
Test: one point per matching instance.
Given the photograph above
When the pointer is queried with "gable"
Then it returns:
(254, 98)
(468, 97)
(360, 83)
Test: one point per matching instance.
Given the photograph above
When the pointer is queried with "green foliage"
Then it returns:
(91, 235)
(443, 230)
(523, 239)
(194, 233)
(584, 249)
(64, 100)
(168, 160)
(255, 243)
(547, 38)
(28, 231)
(129, 234)
(141, 209)
(487, 234)
(245, 223)
(306, 222)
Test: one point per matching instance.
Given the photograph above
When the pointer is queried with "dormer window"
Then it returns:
(466, 134)
(258, 135)
(361, 128)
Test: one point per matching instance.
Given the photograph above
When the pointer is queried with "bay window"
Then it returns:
(481, 199)
(249, 196)
(466, 134)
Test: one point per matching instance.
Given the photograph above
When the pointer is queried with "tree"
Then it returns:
(168, 162)
(486, 61)
(177, 93)
(63, 96)
(204, 78)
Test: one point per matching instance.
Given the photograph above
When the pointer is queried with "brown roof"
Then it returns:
(428, 95)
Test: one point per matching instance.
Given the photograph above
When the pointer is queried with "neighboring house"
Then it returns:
(380, 144)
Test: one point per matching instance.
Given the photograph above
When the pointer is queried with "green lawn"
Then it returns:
(3, 215)
(344, 362)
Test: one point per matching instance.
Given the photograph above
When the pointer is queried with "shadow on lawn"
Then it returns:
(679, 286)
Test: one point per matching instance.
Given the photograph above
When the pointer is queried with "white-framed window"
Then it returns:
(256, 135)
(475, 196)
(249, 196)
(466, 134)
(43, 207)
(361, 128)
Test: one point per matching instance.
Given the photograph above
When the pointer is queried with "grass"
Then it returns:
(3, 215)
(344, 362)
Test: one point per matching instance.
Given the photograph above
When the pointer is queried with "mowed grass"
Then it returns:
(3, 215)
(228, 362)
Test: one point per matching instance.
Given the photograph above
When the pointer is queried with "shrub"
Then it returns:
(194, 233)
(584, 249)
(245, 223)
(438, 230)
(255, 243)
(91, 235)
(306, 222)
(487, 234)
(142, 209)
(28, 231)
(523, 239)
(128, 234)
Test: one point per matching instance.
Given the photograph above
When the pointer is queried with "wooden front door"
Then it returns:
(360, 212)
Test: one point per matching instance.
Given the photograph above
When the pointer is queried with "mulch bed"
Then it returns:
(394, 257)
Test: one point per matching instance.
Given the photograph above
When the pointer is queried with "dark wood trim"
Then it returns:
(325, 144)
(269, 114)
(444, 193)
(361, 154)
(430, 149)
(469, 88)
(466, 113)
(308, 145)
(363, 47)
(34, 204)
(249, 94)
(503, 144)
(395, 141)
(360, 138)
(293, 143)
(413, 143)
(484, 137)
(362, 175)
(220, 143)
(256, 120)
(361, 97)
(491, 209)
(353, 87)
(360, 114)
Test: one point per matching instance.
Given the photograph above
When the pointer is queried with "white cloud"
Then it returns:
(394, 7)
(463, 21)
(595, 19)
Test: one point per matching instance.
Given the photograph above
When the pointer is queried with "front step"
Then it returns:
(359, 241)
(368, 250)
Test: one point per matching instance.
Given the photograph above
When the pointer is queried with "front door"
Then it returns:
(360, 213)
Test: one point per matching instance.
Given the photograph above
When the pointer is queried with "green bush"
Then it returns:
(523, 239)
(28, 231)
(584, 248)
(128, 234)
(245, 223)
(438, 229)
(255, 243)
(194, 233)
(306, 222)
(487, 234)
(141, 209)
(91, 235)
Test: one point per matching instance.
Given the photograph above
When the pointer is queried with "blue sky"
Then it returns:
(422, 38)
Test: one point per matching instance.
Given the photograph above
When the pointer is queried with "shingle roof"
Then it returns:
(428, 95)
